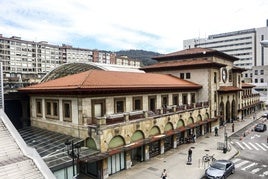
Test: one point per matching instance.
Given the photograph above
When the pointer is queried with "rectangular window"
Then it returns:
(192, 97)
(188, 75)
(137, 103)
(184, 99)
(98, 108)
(38, 107)
(256, 72)
(182, 75)
(175, 99)
(152, 103)
(164, 100)
(230, 76)
(52, 109)
(67, 109)
(215, 77)
(119, 105)
(261, 72)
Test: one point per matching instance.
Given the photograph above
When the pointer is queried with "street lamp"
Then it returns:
(73, 152)
(225, 139)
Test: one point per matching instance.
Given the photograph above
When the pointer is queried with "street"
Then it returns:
(253, 152)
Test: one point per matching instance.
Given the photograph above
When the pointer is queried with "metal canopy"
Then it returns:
(51, 146)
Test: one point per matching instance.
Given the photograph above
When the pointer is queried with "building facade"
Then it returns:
(246, 46)
(26, 62)
(131, 117)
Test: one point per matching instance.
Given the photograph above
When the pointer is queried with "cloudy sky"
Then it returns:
(112, 25)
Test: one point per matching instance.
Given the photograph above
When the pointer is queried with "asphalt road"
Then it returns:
(252, 161)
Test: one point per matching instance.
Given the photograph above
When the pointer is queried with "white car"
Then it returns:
(265, 115)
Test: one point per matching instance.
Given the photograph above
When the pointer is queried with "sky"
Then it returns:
(112, 25)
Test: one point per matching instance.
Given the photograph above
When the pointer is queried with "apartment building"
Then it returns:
(246, 46)
(124, 118)
(243, 44)
(26, 62)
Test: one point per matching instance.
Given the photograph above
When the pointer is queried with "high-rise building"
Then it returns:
(243, 44)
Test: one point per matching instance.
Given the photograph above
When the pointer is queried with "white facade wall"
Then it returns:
(243, 44)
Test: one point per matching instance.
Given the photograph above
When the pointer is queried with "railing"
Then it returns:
(135, 115)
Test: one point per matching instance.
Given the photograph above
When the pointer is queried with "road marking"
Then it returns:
(251, 165)
(241, 164)
(261, 146)
(247, 146)
(255, 170)
(236, 160)
(256, 135)
(253, 146)
(264, 145)
(240, 145)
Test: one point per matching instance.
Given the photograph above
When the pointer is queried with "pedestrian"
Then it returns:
(164, 174)
(194, 138)
(233, 127)
(216, 131)
(190, 155)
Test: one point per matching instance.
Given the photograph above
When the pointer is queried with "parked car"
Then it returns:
(220, 169)
(261, 127)
(265, 115)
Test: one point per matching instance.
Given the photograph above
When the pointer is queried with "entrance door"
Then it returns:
(116, 163)
(137, 155)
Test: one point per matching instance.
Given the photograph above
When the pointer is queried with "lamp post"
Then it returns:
(225, 139)
(73, 151)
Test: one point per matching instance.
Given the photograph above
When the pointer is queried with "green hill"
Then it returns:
(144, 56)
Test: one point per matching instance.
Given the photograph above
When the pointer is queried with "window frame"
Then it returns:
(98, 101)
(54, 114)
(39, 107)
(116, 102)
(69, 102)
(134, 99)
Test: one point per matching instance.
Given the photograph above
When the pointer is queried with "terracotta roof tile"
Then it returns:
(194, 53)
(247, 85)
(228, 89)
(184, 63)
(96, 79)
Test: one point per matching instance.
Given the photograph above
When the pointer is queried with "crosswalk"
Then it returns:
(252, 146)
(251, 167)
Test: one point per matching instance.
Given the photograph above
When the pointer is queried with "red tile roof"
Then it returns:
(96, 80)
(247, 85)
(228, 89)
(201, 62)
(194, 53)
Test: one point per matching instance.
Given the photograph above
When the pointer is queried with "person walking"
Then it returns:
(190, 155)
(164, 174)
(216, 131)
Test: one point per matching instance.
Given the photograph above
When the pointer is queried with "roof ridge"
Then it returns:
(85, 79)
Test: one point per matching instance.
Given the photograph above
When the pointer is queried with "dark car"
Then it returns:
(220, 169)
(260, 127)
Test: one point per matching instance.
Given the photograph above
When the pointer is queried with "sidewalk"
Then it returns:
(175, 160)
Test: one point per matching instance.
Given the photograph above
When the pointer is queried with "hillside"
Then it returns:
(144, 56)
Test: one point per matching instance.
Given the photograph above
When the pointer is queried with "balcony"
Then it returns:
(140, 115)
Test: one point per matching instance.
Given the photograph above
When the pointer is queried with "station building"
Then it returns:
(123, 118)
